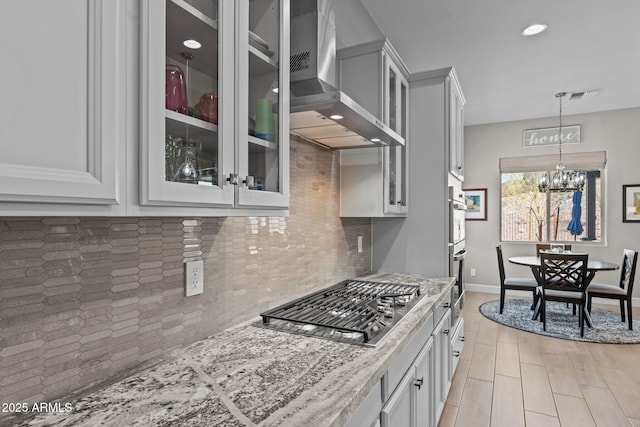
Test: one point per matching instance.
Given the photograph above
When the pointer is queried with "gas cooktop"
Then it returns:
(354, 311)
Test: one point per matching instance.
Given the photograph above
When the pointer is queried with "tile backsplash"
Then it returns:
(83, 299)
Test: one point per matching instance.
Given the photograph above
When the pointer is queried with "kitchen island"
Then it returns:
(250, 376)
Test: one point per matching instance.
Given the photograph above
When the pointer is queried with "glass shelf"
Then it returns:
(255, 142)
(198, 129)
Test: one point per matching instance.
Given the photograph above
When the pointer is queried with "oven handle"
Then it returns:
(459, 255)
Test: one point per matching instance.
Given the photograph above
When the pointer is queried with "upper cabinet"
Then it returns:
(263, 103)
(67, 157)
(214, 129)
(455, 138)
(374, 181)
(146, 108)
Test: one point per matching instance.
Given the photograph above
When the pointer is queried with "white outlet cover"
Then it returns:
(193, 278)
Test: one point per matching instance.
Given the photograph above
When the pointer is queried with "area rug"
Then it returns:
(561, 323)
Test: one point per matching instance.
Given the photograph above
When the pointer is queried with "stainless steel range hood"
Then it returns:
(319, 110)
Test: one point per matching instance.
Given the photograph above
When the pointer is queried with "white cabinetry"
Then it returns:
(410, 403)
(414, 389)
(224, 143)
(63, 109)
(109, 113)
(457, 344)
(368, 413)
(455, 138)
(443, 363)
(375, 76)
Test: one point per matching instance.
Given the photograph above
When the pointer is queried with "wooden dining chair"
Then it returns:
(547, 246)
(563, 279)
(514, 283)
(623, 291)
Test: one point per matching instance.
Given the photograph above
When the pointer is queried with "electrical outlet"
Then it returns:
(473, 272)
(359, 244)
(193, 278)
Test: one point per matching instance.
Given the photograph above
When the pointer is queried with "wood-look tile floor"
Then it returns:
(507, 377)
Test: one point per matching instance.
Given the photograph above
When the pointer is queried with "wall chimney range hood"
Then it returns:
(319, 111)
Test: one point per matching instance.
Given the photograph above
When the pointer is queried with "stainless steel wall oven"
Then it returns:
(457, 249)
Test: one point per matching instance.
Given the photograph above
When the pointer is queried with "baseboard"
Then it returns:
(491, 289)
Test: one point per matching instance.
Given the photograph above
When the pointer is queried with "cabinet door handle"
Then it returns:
(419, 383)
(249, 181)
(233, 179)
(446, 305)
(456, 353)
(461, 338)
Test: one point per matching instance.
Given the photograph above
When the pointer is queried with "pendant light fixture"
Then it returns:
(562, 180)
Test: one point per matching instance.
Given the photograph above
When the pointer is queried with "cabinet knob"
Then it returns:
(419, 383)
(456, 353)
(249, 181)
(233, 179)
(446, 332)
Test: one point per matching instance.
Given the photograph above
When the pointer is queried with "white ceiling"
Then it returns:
(505, 76)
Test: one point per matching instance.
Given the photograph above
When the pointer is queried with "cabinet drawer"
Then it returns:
(403, 361)
(457, 344)
(442, 306)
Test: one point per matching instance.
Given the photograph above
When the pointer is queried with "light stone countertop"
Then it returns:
(252, 376)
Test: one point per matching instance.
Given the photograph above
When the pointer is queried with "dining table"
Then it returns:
(593, 266)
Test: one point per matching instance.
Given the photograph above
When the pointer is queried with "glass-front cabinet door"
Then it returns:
(456, 130)
(263, 107)
(397, 90)
(214, 103)
(185, 124)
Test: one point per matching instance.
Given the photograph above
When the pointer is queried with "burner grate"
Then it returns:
(352, 308)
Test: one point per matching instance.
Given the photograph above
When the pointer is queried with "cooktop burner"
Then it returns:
(352, 311)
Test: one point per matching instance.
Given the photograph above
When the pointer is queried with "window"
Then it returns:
(528, 215)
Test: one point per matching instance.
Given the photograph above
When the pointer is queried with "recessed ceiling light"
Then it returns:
(192, 44)
(274, 90)
(375, 139)
(336, 117)
(534, 29)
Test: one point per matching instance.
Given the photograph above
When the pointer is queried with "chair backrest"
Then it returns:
(542, 247)
(500, 264)
(564, 272)
(547, 246)
(629, 261)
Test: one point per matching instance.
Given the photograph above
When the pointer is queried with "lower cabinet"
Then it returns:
(368, 413)
(414, 390)
(410, 404)
(457, 343)
(442, 355)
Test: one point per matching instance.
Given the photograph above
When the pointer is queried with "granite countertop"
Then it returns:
(252, 376)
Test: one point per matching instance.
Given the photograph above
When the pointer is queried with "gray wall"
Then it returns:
(617, 132)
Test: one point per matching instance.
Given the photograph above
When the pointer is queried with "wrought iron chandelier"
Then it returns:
(562, 180)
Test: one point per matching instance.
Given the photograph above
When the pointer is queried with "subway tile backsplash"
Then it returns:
(83, 299)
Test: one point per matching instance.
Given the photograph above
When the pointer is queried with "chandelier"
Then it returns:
(561, 180)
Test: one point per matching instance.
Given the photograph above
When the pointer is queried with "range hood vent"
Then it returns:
(319, 110)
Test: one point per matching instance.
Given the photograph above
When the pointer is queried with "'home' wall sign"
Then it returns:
(549, 136)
